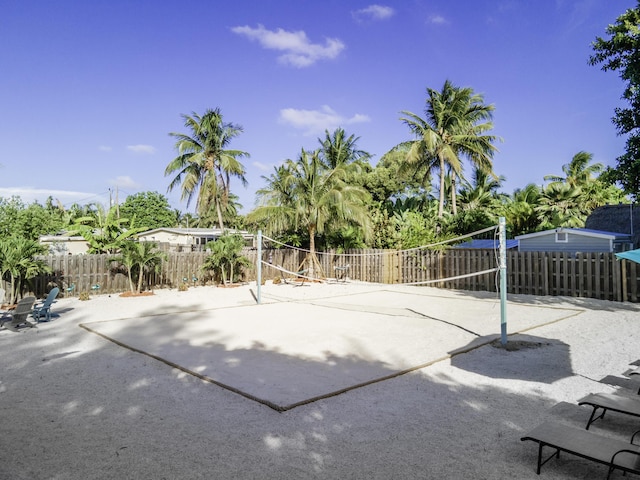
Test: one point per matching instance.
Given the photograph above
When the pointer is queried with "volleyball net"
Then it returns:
(452, 263)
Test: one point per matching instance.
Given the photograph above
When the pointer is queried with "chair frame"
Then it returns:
(587, 445)
(43, 309)
(18, 317)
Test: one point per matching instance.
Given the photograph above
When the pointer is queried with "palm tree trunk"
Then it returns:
(454, 200)
(315, 270)
(12, 293)
(219, 212)
(130, 281)
(441, 195)
(140, 277)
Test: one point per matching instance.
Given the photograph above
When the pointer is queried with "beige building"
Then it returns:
(65, 245)
(168, 239)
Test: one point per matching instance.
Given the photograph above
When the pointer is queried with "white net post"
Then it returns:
(503, 280)
(259, 267)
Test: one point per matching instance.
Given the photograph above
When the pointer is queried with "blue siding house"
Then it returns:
(574, 240)
(488, 244)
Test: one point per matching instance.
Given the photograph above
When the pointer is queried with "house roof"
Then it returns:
(488, 244)
(587, 232)
(61, 238)
(617, 218)
(192, 231)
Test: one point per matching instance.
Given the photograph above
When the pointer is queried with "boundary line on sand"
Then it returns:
(283, 408)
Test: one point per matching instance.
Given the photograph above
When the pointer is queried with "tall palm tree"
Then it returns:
(578, 172)
(307, 194)
(454, 127)
(338, 149)
(204, 164)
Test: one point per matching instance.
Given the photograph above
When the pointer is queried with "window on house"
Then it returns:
(562, 237)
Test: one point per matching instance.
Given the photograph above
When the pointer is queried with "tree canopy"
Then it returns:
(620, 52)
(454, 127)
(150, 210)
(205, 164)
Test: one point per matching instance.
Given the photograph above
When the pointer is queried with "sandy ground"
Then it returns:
(76, 405)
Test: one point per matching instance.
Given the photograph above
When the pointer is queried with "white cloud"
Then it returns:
(124, 181)
(104, 148)
(66, 197)
(260, 166)
(298, 49)
(317, 121)
(145, 149)
(438, 20)
(374, 12)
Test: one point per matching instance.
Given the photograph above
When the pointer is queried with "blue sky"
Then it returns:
(89, 90)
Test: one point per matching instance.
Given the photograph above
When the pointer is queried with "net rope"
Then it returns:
(302, 274)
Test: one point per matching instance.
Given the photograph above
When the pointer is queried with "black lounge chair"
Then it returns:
(616, 454)
(608, 401)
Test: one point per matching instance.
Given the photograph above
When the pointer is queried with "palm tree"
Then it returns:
(454, 128)
(204, 164)
(230, 215)
(307, 194)
(18, 262)
(578, 172)
(520, 211)
(560, 206)
(226, 256)
(338, 149)
(481, 193)
(141, 257)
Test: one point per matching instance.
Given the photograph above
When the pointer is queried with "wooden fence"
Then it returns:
(592, 275)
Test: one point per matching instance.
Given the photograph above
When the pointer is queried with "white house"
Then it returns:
(184, 239)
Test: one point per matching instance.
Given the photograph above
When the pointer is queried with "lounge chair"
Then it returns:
(634, 371)
(616, 454)
(18, 317)
(42, 311)
(628, 383)
(608, 401)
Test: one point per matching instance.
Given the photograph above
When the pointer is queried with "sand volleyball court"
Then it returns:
(203, 384)
(303, 343)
